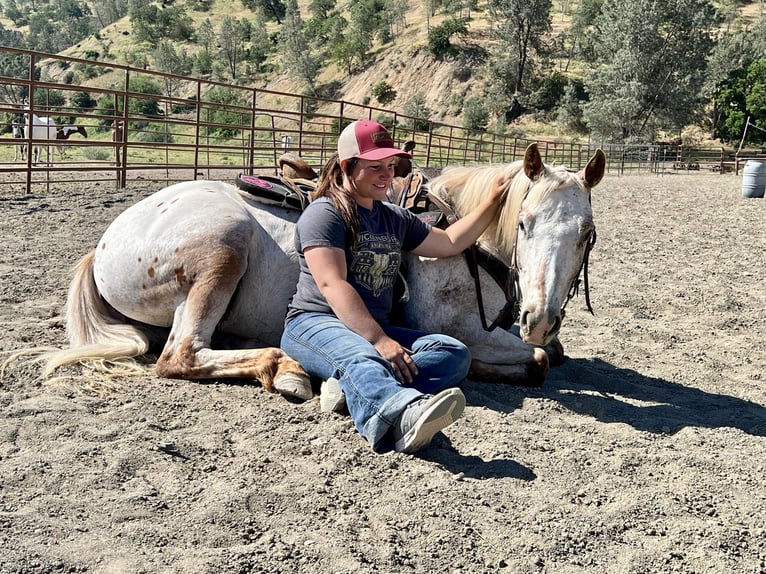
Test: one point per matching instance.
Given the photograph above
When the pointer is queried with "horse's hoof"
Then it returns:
(555, 351)
(294, 385)
(537, 370)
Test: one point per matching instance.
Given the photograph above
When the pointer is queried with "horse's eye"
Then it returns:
(522, 228)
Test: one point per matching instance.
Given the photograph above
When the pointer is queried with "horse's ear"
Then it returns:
(533, 163)
(594, 170)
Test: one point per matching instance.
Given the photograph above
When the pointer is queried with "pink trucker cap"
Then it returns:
(366, 139)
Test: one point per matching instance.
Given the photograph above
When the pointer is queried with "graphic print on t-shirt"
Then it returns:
(376, 262)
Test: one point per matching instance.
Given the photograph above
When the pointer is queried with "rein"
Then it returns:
(506, 277)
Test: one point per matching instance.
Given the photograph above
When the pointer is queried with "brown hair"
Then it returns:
(330, 185)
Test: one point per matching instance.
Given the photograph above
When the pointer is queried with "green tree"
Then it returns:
(272, 9)
(261, 45)
(18, 16)
(108, 11)
(522, 26)
(574, 40)
(168, 59)
(475, 114)
(219, 108)
(152, 23)
(57, 26)
(416, 108)
(233, 35)
(321, 8)
(743, 96)
(383, 92)
(149, 106)
(733, 51)
(569, 111)
(439, 37)
(13, 66)
(296, 55)
(82, 101)
(206, 36)
(650, 62)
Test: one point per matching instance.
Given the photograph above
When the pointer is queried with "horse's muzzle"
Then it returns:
(539, 328)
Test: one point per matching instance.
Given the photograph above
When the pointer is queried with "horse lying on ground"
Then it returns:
(204, 258)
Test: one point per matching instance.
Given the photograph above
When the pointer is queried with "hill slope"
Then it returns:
(404, 63)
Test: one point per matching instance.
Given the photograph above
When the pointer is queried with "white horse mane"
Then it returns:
(464, 188)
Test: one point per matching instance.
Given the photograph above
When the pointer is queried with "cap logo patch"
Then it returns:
(379, 137)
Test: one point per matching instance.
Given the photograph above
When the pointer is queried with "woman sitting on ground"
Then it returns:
(400, 385)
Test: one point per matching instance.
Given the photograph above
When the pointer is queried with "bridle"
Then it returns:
(507, 276)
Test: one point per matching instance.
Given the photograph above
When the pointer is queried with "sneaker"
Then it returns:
(423, 418)
(331, 397)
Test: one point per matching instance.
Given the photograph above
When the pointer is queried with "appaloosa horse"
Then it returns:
(203, 257)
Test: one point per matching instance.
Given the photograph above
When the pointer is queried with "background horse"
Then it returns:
(63, 133)
(43, 128)
(19, 150)
(118, 133)
(203, 257)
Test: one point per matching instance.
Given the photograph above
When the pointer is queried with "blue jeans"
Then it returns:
(326, 348)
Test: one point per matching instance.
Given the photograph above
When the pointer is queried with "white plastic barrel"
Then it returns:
(754, 178)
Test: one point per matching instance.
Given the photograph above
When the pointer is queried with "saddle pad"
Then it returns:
(273, 190)
(433, 218)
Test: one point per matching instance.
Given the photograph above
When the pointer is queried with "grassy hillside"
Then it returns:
(405, 63)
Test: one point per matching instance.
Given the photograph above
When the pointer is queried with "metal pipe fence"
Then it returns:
(179, 128)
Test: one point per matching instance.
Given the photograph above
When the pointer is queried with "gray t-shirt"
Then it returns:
(384, 232)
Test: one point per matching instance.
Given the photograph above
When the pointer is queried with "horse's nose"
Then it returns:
(538, 328)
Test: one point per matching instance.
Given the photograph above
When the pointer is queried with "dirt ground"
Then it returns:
(644, 452)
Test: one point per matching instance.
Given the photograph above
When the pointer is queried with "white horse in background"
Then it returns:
(43, 128)
(204, 257)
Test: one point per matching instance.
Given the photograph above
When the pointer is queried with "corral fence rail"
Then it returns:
(178, 128)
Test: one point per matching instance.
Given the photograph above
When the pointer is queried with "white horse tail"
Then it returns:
(97, 334)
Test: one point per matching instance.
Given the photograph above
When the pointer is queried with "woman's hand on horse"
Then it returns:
(500, 189)
(399, 357)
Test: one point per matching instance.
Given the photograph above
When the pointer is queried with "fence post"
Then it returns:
(198, 116)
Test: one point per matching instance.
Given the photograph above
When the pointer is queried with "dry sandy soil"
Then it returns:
(644, 452)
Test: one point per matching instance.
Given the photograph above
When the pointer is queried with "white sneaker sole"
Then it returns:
(446, 408)
(331, 397)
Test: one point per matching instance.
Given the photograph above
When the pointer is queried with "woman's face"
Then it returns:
(370, 180)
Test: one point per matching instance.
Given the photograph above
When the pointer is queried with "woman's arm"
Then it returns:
(328, 267)
(465, 231)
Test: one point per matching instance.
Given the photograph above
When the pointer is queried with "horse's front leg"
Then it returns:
(530, 373)
(188, 354)
(502, 357)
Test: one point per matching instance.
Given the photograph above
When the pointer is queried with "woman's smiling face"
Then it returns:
(371, 180)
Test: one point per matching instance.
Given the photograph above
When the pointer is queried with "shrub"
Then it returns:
(383, 92)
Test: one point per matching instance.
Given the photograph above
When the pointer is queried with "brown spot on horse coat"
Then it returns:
(180, 276)
(151, 272)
